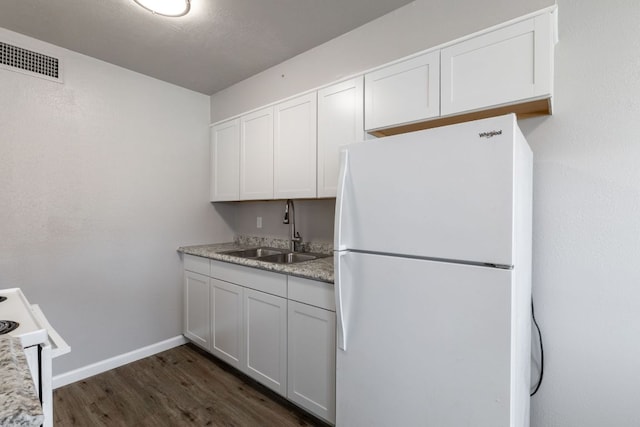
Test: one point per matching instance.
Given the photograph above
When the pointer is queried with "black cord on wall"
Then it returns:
(535, 322)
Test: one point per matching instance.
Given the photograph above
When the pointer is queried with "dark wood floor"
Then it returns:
(183, 386)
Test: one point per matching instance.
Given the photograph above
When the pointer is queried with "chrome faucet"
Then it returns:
(290, 218)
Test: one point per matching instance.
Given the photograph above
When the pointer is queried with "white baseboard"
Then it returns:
(114, 362)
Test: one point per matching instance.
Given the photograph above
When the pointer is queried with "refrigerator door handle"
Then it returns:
(340, 313)
(342, 181)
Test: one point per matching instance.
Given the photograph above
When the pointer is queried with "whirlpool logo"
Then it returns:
(490, 134)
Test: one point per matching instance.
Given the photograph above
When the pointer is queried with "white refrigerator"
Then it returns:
(433, 278)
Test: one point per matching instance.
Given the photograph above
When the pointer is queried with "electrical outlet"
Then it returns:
(259, 222)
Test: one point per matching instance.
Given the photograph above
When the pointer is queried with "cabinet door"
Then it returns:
(401, 93)
(265, 329)
(295, 148)
(501, 67)
(312, 358)
(226, 322)
(256, 155)
(225, 161)
(340, 122)
(196, 309)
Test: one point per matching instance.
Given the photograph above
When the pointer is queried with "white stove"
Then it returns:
(40, 341)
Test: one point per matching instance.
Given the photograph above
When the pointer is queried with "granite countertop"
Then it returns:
(19, 404)
(320, 269)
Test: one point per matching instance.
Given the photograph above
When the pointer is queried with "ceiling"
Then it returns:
(219, 43)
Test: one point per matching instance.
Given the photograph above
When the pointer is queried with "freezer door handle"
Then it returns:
(338, 237)
(340, 312)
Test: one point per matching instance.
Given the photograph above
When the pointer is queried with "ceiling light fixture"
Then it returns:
(171, 8)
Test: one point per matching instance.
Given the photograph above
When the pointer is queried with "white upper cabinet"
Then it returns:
(504, 66)
(256, 155)
(340, 122)
(290, 149)
(402, 93)
(295, 148)
(225, 161)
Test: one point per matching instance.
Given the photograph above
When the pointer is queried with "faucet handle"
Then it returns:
(297, 243)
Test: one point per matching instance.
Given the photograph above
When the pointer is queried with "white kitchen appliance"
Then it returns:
(40, 341)
(433, 278)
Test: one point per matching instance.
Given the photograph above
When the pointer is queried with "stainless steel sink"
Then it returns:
(278, 256)
(290, 258)
(255, 252)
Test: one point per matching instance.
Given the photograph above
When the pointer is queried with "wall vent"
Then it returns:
(29, 62)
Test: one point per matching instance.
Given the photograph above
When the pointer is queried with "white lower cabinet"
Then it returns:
(312, 359)
(265, 328)
(227, 322)
(278, 329)
(196, 309)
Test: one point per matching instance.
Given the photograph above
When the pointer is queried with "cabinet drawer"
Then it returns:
(196, 264)
(319, 294)
(260, 280)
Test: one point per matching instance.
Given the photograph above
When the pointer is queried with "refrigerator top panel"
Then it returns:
(447, 193)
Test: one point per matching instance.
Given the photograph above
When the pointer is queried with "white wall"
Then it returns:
(586, 278)
(314, 219)
(101, 179)
(587, 220)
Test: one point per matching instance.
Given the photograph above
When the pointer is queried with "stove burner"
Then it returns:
(7, 326)
(3, 299)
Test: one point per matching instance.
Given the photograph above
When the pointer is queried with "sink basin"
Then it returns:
(255, 252)
(278, 256)
(290, 258)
